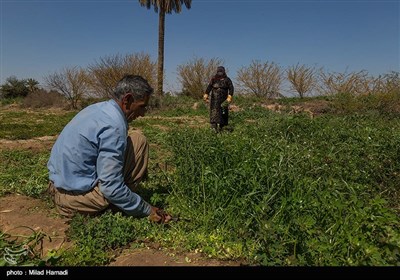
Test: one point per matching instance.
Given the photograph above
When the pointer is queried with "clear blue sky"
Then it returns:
(40, 37)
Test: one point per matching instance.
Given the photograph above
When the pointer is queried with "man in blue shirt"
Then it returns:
(95, 163)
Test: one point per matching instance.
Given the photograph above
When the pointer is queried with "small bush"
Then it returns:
(196, 74)
(11, 101)
(44, 99)
(89, 101)
(383, 103)
(14, 87)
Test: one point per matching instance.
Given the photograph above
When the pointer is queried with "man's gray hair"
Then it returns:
(134, 84)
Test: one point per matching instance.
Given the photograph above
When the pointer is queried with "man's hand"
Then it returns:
(205, 97)
(158, 215)
(229, 98)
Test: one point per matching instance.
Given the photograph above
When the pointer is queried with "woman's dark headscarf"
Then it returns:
(220, 73)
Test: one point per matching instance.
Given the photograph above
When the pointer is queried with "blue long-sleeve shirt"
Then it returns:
(90, 150)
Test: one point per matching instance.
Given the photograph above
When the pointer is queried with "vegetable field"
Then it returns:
(281, 189)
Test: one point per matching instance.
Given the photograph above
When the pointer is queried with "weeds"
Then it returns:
(23, 172)
(17, 250)
(279, 190)
(292, 189)
(96, 238)
(26, 125)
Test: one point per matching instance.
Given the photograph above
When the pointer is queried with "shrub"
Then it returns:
(44, 99)
(196, 74)
(261, 79)
(14, 87)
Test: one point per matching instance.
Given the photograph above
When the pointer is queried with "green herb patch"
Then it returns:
(26, 125)
(281, 189)
(293, 190)
(96, 238)
(23, 172)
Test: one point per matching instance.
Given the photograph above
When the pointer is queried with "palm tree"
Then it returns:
(165, 6)
(32, 85)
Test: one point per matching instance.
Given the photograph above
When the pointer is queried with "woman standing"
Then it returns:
(219, 94)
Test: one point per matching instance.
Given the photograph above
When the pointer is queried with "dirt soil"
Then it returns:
(34, 144)
(20, 215)
(153, 257)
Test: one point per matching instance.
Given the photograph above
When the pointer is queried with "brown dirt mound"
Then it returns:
(312, 108)
(153, 257)
(34, 144)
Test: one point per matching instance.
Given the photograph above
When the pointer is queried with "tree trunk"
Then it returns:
(160, 70)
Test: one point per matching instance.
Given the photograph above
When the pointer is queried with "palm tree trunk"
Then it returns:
(161, 31)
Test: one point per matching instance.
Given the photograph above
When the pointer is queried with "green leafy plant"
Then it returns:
(17, 250)
(96, 237)
(23, 172)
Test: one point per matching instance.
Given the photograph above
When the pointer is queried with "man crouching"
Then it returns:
(95, 163)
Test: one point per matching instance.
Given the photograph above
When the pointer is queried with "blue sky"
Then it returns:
(40, 37)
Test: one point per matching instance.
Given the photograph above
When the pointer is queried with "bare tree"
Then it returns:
(196, 74)
(386, 84)
(301, 78)
(391, 82)
(261, 79)
(71, 82)
(107, 71)
(371, 85)
(349, 83)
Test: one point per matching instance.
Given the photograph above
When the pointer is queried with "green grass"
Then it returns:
(179, 109)
(10, 101)
(97, 237)
(280, 189)
(28, 124)
(293, 190)
(23, 172)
